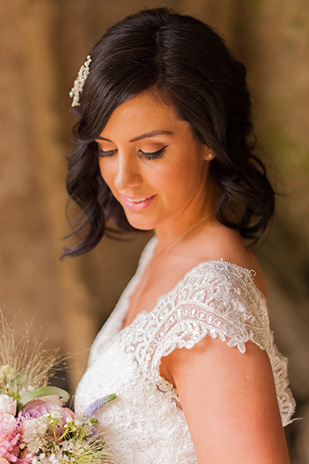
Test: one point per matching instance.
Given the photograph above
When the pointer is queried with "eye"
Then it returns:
(154, 154)
(106, 153)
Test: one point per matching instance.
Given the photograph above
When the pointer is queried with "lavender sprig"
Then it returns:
(98, 404)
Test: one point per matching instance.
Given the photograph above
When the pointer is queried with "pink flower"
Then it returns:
(7, 405)
(8, 425)
(40, 406)
(9, 433)
(34, 410)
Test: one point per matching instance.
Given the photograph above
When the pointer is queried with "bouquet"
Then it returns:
(35, 425)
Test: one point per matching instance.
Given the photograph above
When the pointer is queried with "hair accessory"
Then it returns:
(80, 81)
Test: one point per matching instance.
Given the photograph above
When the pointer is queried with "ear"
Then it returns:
(208, 154)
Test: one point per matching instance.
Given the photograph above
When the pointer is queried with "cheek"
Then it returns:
(107, 175)
(162, 180)
(180, 175)
(187, 177)
(106, 171)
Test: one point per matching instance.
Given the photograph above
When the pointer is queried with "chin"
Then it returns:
(140, 224)
(141, 227)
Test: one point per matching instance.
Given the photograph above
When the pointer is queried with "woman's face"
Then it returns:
(153, 164)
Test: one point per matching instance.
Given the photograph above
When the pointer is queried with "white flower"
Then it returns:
(56, 413)
(7, 405)
(7, 419)
(33, 431)
(5, 371)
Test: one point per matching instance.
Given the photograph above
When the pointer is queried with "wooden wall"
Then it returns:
(43, 44)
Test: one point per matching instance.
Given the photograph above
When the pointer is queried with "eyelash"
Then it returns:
(147, 155)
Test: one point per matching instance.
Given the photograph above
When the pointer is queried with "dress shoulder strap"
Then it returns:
(217, 299)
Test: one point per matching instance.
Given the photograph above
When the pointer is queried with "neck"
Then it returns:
(196, 208)
(185, 233)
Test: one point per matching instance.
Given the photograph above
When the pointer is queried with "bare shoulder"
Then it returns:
(225, 393)
(227, 244)
(228, 397)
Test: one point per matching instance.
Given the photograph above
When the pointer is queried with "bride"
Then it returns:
(164, 143)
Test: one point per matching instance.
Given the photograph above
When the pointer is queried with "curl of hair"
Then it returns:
(185, 63)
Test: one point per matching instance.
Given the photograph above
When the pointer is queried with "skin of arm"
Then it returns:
(229, 402)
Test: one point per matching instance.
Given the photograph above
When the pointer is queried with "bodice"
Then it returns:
(145, 423)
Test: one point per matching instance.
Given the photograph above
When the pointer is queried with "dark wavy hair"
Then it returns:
(188, 65)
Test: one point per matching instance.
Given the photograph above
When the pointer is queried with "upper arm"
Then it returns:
(229, 402)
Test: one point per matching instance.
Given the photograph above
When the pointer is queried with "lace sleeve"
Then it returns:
(218, 299)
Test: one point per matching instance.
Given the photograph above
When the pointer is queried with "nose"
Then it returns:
(127, 174)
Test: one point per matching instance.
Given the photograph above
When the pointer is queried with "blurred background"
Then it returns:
(43, 44)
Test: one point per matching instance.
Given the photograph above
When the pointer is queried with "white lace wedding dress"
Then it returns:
(145, 423)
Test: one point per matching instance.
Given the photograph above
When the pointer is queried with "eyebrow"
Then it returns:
(147, 135)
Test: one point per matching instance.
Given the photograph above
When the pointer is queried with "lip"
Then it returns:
(138, 203)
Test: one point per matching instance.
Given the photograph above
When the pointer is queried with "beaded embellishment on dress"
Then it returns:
(145, 423)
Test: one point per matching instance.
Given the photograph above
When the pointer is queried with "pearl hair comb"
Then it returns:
(80, 81)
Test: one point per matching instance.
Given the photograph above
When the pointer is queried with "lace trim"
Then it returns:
(215, 298)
